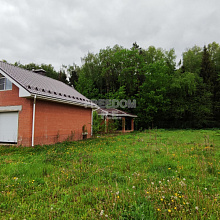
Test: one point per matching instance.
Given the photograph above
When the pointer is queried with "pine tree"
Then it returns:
(210, 78)
(207, 68)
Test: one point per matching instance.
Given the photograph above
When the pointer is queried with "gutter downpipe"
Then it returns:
(33, 120)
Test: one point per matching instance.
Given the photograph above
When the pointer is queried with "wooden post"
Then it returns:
(123, 124)
(132, 124)
(106, 124)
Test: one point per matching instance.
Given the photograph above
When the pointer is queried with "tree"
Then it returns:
(207, 69)
(210, 72)
(49, 69)
(165, 96)
(152, 99)
(192, 60)
(190, 102)
(74, 72)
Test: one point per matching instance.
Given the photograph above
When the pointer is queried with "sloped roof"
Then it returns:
(44, 86)
(113, 112)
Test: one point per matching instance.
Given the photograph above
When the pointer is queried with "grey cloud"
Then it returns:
(61, 32)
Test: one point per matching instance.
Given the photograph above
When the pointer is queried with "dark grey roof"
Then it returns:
(113, 112)
(44, 86)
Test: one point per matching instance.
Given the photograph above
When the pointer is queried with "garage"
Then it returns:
(8, 127)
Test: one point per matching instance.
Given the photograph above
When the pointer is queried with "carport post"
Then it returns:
(123, 124)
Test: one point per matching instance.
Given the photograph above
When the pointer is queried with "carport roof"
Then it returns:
(112, 112)
(43, 86)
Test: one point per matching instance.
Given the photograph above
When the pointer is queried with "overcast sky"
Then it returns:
(63, 31)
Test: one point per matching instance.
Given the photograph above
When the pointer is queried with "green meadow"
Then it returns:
(155, 174)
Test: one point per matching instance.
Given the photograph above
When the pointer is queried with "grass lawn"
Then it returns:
(156, 174)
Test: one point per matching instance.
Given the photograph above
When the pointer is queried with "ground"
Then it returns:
(155, 174)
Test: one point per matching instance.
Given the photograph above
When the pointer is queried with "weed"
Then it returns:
(155, 174)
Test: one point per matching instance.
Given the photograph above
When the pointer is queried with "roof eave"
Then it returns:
(92, 106)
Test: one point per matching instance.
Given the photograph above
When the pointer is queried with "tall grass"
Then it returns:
(156, 174)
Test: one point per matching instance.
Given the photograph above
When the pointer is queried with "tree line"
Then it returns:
(168, 95)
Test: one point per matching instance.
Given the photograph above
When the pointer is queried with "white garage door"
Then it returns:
(8, 126)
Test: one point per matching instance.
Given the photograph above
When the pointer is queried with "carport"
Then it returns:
(127, 123)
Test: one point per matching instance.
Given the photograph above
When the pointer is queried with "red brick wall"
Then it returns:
(57, 122)
(54, 122)
(11, 98)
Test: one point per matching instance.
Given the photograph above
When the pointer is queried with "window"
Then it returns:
(5, 84)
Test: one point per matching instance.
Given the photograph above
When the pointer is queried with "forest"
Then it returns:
(168, 94)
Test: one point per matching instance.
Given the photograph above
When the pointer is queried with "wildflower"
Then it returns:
(160, 182)
(161, 199)
(152, 183)
(168, 181)
(205, 188)
(118, 197)
(197, 208)
(158, 210)
(133, 187)
(175, 208)
(169, 168)
(106, 216)
(117, 192)
(182, 183)
(169, 210)
(184, 179)
(102, 212)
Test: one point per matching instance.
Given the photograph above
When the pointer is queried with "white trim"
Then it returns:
(23, 92)
(33, 121)
(14, 108)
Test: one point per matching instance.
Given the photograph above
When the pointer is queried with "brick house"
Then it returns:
(35, 109)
